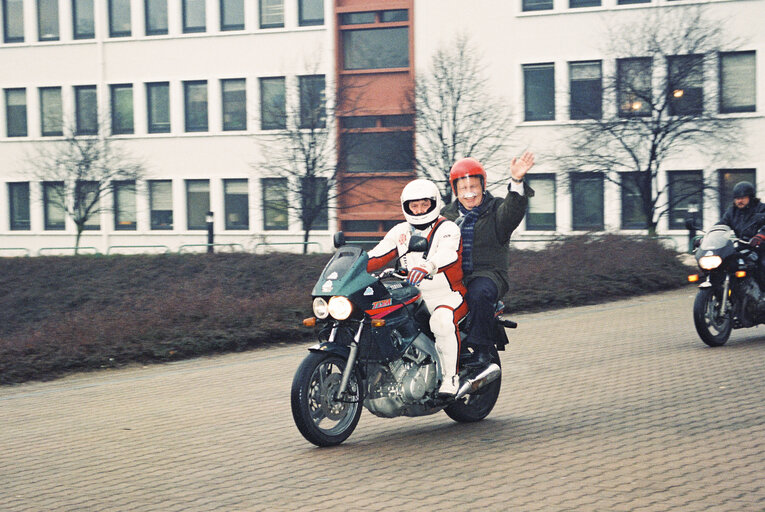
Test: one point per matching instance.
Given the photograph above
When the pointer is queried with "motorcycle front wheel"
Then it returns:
(713, 328)
(477, 406)
(319, 415)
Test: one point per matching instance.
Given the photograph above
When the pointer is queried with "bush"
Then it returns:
(64, 314)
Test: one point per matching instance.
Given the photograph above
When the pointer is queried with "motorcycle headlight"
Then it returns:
(340, 308)
(710, 262)
(320, 309)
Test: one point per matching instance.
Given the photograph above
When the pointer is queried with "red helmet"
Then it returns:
(465, 167)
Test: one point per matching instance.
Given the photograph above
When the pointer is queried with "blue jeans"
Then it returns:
(481, 299)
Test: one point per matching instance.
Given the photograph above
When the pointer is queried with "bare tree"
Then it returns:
(664, 89)
(456, 115)
(81, 172)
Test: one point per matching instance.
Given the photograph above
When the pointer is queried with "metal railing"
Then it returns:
(26, 251)
(231, 246)
(42, 250)
(306, 244)
(165, 249)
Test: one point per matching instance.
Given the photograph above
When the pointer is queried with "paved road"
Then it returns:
(617, 407)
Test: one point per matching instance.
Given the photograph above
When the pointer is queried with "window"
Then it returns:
(194, 16)
(231, 15)
(273, 111)
(737, 82)
(541, 214)
(587, 201)
(18, 202)
(86, 199)
(310, 12)
(537, 5)
(275, 203)
(82, 19)
(197, 203)
(119, 18)
(627, 2)
(13, 21)
(47, 20)
(586, 90)
(155, 12)
(122, 108)
(583, 3)
(312, 112)
(539, 92)
(234, 99)
(161, 204)
(358, 18)
(634, 86)
(195, 97)
(316, 192)
(50, 111)
(271, 13)
(236, 201)
(728, 180)
(86, 108)
(394, 15)
(158, 107)
(633, 216)
(124, 205)
(685, 85)
(378, 151)
(16, 112)
(53, 205)
(686, 198)
(376, 48)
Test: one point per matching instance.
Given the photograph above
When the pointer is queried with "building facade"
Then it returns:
(195, 89)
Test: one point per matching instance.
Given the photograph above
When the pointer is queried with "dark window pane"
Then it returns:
(541, 213)
(376, 48)
(161, 204)
(18, 198)
(231, 14)
(156, 17)
(119, 18)
(122, 109)
(587, 201)
(686, 85)
(124, 205)
(362, 225)
(310, 12)
(315, 192)
(686, 198)
(737, 82)
(236, 199)
(376, 152)
(234, 104)
(84, 26)
(271, 13)
(86, 106)
(312, 111)
(197, 203)
(396, 121)
(13, 21)
(583, 3)
(275, 203)
(47, 20)
(53, 205)
(195, 97)
(633, 216)
(586, 89)
(16, 112)
(634, 87)
(158, 97)
(539, 92)
(86, 204)
(395, 15)
(537, 5)
(627, 2)
(728, 180)
(273, 113)
(359, 122)
(194, 16)
(358, 18)
(50, 111)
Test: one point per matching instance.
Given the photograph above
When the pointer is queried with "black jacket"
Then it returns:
(746, 222)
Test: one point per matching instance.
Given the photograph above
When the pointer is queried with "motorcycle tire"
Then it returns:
(713, 330)
(323, 420)
(477, 406)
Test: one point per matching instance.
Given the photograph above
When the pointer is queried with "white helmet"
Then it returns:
(421, 189)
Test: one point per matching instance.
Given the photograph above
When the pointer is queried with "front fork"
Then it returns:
(354, 350)
(724, 301)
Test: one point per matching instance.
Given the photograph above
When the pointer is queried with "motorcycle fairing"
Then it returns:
(345, 273)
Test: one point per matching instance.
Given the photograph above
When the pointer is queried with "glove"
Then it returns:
(416, 275)
(757, 240)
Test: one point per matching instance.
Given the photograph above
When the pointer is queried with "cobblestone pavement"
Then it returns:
(616, 407)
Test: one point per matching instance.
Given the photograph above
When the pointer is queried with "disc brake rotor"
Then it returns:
(333, 409)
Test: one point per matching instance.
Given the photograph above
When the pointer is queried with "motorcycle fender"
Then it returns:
(705, 284)
(333, 348)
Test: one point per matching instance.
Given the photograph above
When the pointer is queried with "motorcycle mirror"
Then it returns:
(418, 244)
(339, 239)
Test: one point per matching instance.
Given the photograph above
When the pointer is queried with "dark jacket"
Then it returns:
(746, 222)
(491, 251)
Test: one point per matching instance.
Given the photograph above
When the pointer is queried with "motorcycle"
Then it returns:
(730, 296)
(376, 350)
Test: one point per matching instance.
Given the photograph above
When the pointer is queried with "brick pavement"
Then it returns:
(617, 407)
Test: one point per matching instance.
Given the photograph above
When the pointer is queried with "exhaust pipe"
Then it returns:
(490, 374)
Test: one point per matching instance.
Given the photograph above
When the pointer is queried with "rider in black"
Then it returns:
(746, 217)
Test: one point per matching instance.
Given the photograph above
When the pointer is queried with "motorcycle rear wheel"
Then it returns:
(713, 328)
(475, 407)
(319, 416)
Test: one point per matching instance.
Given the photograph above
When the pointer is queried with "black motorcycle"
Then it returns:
(730, 295)
(376, 351)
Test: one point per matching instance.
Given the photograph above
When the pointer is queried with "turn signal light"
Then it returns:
(378, 322)
(740, 273)
(693, 278)
(309, 322)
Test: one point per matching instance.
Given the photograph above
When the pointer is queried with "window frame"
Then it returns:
(536, 5)
(549, 91)
(281, 205)
(241, 125)
(676, 103)
(154, 221)
(155, 29)
(262, 6)
(574, 113)
(187, 28)
(230, 208)
(673, 178)
(59, 121)
(350, 49)
(303, 21)
(721, 85)
(632, 197)
(191, 226)
(633, 92)
(532, 225)
(312, 101)
(113, 31)
(80, 112)
(10, 131)
(14, 223)
(53, 21)
(265, 120)
(151, 125)
(574, 178)
(10, 21)
(228, 27)
(189, 125)
(114, 89)
(76, 19)
(48, 186)
(128, 225)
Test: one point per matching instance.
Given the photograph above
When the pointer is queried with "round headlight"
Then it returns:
(710, 262)
(340, 308)
(320, 309)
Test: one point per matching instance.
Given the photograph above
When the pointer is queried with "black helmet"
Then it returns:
(743, 189)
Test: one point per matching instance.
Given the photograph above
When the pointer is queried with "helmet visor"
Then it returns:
(469, 187)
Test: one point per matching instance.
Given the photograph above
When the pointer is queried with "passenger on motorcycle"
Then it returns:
(444, 293)
(486, 223)
(746, 217)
